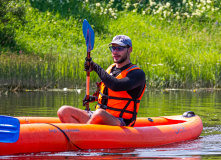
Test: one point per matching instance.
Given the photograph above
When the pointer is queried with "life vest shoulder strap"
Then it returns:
(110, 68)
(133, 67)
(126, 71)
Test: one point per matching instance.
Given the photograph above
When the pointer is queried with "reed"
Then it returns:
(175, 49)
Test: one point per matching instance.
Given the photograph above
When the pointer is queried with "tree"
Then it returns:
(12, 16)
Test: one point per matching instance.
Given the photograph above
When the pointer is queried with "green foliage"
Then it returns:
(77, 9)
(12, 14)
(175, 45)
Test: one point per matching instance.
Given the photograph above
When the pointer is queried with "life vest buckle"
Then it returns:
(104, 96)
(102, 106)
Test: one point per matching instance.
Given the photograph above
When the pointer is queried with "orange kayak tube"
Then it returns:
(147, 132)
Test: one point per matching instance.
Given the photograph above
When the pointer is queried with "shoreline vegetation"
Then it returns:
(176, 42)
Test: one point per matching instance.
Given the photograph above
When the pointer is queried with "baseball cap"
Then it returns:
(122, 40)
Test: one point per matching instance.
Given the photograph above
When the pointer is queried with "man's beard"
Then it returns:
(122, 59)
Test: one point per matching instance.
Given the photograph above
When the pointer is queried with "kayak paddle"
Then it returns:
(89, 38)
(9, 129)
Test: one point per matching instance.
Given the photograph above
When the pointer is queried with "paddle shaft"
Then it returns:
(88, 82)
(89, 38)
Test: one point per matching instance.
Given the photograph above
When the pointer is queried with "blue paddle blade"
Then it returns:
(9, 129)
(88, 35)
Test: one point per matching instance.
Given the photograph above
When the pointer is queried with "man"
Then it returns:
(121, 90)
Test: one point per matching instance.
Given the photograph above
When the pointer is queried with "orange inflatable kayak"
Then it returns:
(45, 134)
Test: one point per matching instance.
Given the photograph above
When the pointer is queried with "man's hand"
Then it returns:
(91, 99)
(88, 65)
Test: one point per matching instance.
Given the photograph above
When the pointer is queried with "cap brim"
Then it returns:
(119, 43)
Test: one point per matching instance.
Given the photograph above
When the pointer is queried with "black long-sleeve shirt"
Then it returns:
(133, 83)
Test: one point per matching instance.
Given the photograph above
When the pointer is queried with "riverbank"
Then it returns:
(175, 49)
(5, 92)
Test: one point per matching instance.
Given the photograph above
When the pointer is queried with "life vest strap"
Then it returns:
(133, 119)
(124, 109)
(115, 109)
(118, 98)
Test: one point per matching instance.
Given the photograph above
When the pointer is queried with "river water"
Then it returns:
(205, 103)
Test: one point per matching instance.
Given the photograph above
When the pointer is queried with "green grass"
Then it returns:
(174, 52)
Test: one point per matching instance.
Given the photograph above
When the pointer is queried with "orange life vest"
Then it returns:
(119, 103)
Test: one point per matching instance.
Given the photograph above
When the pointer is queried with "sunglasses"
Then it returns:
(117, 48)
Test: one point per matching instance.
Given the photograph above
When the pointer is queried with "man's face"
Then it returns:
(119, 54)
